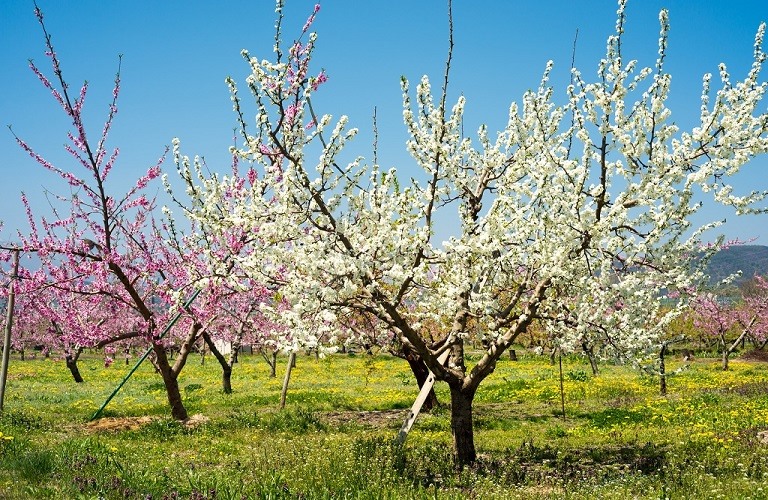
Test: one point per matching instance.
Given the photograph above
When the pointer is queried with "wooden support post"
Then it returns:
(291, 364)
(8, 327)
(416, 408)
(562, 386)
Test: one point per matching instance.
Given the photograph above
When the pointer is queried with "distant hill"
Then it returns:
(749, 259)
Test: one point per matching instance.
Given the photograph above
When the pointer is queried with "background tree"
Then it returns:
(730, 323)
(753, 311)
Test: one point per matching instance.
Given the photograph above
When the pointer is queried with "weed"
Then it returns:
(577, 375)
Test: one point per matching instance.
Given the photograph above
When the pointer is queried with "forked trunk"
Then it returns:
(461, 425)
(71, 360)
(271, 359)
(73, 369)
(226, 367)
(178, 412)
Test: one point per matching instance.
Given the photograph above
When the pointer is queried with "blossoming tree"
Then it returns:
(731, 322)
(753, 315)
(576, 215)
(98, 245)
(63, 322)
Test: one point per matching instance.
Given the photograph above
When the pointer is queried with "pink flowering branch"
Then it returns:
(99, 256)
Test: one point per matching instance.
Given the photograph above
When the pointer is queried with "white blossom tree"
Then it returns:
(576, 215)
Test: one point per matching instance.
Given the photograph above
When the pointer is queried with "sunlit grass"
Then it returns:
(618, 438)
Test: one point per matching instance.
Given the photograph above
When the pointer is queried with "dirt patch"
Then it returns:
(377, 419)
(755, 355)
(195, 420)
(115, 424)
(118, 424)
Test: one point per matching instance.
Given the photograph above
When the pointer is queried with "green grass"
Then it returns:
(335, 439)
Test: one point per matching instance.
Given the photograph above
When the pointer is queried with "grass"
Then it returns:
(335, 439)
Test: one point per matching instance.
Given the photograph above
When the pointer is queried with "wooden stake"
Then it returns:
(8, 327)
(562, 387)
(291, 364)
(416, 408)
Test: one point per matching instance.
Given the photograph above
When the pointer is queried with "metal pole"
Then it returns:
(8, 327)
(146, 354)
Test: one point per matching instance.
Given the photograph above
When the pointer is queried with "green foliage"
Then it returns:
(577, 375)
(21, 420)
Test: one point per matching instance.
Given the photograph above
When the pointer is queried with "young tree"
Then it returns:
(100, 245)
(231, 302)
(718, 319)
(576, 215)
(63, 322)
(753, 311)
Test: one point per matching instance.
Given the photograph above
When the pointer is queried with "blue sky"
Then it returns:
(176, 55)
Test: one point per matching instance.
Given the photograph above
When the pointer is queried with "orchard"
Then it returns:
(581, 230)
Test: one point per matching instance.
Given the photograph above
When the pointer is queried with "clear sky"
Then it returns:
(176, 55)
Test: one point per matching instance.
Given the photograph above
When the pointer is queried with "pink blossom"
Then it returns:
(311, 18)
(319, 80)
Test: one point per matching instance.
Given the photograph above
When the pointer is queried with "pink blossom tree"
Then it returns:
(231, 299)
(64, 323)
(753, 311)
(718, 319)
(98, 249)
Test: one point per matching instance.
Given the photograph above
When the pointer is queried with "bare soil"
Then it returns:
(115, 424)
(378, 419)
(755, 355)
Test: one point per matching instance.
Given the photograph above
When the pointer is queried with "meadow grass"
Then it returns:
(335, 439)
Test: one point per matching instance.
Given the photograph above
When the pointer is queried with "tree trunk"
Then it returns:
(726, 355)
(461, 425)
(590, 352)
(226, 379)
(226, 368)
(178, 411)
(421, 372)
(234, 350)
(291, 364)
(271, 360)
(71, 360)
